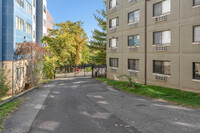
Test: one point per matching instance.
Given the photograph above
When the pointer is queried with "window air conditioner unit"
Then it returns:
(161, 78)
(161, 18)
(161, 48)
(132, 1)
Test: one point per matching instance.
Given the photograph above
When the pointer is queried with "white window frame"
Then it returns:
(114, 22)
(196, 34)
(19, 23)
(134, 19)
(165, 39)
(164, 11)
(114, 42)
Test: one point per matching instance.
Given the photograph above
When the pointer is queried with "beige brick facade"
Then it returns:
(182, 52)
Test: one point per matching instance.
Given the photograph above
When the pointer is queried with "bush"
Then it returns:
(4, 82)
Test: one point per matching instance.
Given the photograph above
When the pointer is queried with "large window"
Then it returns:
(114, 22)
(19, 24)
(20, 73)
(163, 37)
(113, 3)
(113, 62)
(20, 2)
(134, 40)
(161, 8)
(133, 64)
(196, 2)
(196, 70)
(28, 29)
(113, 42)
(134, 17)
(196, 33)
(161, 67)
(28, 7)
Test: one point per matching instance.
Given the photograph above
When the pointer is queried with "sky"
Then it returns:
(76, 10)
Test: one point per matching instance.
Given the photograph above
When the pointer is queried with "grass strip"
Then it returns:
(188, 99)
(8, 109)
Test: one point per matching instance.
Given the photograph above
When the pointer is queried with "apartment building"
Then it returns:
(155, 41)
(41, 20)
(50, 22)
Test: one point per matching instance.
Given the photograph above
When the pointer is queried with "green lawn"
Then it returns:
(7, 109)
(178, 97)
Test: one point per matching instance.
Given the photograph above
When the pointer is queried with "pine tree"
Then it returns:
(98, 42)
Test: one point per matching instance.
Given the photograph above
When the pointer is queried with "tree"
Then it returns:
(98, 42)
(66, 43)
(30, 55)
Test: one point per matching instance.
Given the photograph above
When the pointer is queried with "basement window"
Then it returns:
(133, 64)
(161, 67)
(196, 70)
(113, 62)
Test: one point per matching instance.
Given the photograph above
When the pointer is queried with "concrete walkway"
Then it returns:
(84, 105)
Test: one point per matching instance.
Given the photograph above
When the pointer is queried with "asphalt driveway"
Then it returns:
(84, 105)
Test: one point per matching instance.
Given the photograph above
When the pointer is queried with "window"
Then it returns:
(163, 37)
(133, 64)
(34, 3)
(20, 73)
(34, 35)
(196, 70)
(28, 7)
(45, 23)
(113, 3)
(134, 17)
(113, 42)
(161, 67)
(196, 32)
(20, 2)
(28, 29)
(113, 62)
(19, 24)
(161, 8)
(34, 19)
(114, 22)
(134, 40)
(45, 9)
(196, 2)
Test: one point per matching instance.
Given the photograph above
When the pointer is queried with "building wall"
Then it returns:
(11, 35)
(0, 32)
(34, 21)
(40, 19)
(181, 52)
(50, 22)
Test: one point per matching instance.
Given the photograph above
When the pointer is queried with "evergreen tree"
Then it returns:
(98, 42)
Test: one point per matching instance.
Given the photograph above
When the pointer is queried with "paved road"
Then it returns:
(83, 105)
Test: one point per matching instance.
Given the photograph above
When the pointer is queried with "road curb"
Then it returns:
(17, 96)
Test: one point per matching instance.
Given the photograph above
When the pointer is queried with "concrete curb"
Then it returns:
(17, 96)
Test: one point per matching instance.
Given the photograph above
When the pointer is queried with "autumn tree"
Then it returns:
(66, 43)
(98, 42)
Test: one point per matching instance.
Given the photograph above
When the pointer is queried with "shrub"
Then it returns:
(4, 82)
